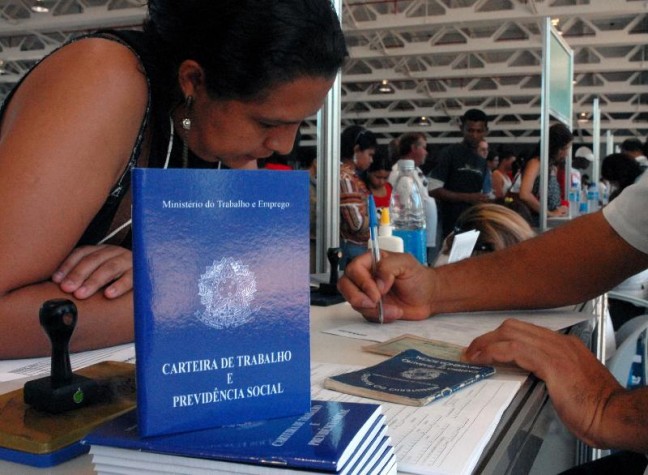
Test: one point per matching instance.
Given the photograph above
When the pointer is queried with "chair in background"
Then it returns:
(629, 327)
(628, 296)
(626, 304)
(628, 364)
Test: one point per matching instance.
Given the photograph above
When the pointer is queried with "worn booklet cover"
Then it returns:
(436, 348)
(221, 291)
(330, 437)
(410, 377)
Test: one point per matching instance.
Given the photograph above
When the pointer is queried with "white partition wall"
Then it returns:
(596, 140)
(328, 171)
(609, 142)
(557, 101)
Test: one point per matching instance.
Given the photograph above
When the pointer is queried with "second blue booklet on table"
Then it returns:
(410, 377)
(221, 292)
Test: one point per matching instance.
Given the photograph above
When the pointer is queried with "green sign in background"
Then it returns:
(560, 80)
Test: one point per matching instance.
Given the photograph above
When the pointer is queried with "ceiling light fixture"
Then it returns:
(423, 121)
(385, 87)
(39, 6)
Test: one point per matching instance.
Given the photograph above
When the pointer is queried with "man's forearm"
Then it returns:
(547, 271)
(625, 422)
(450, 196)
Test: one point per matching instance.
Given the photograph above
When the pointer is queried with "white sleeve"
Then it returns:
(628, 214)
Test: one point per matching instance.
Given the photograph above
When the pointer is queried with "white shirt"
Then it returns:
(628, 215)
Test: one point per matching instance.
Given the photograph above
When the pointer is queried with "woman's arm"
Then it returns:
(353, 207)
(65, 138)
(497, 180)
(531, 172)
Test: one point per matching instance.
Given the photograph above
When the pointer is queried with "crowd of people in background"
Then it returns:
(496, 191)
(461, 175)
(586, 395)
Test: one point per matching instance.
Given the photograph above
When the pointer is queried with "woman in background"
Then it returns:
(377, 179)
(501, 178)
(357, 148)
(499, 227)
(560, 140)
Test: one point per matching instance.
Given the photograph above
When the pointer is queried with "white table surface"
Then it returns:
(325, 348)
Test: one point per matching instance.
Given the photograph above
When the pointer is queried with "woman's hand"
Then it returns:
(559, 211)
(402, 283)
(90, 268)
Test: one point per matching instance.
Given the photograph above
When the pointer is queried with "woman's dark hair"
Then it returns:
(559, 136)
(380, 161)
(356, 135)
(621, 169)
(246, 46)
(505, 153)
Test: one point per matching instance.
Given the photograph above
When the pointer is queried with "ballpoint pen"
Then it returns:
(375, 250)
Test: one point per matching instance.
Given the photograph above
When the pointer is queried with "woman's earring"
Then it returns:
(186, 125)
(186, 122)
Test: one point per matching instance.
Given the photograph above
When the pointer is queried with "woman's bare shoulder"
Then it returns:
(80, 75)
(93, 84)
(532, 166)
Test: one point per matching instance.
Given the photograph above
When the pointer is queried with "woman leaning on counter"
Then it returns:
(205, 84)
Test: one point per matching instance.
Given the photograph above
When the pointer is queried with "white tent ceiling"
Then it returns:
(440, 57)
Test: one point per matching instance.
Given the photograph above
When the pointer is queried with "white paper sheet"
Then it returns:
(463, 245)
(15, 369)
(445, 437)
(458, 328)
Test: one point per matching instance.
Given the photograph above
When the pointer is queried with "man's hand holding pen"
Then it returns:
(375, 249)
(399, 280)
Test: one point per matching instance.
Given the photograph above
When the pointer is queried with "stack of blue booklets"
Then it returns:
(334, 437)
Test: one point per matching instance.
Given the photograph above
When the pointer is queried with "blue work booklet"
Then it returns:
(221, 291)
(410, 377)
(338, 437)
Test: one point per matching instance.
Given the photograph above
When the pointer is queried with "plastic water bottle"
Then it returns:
(592, 198)
(408, 213)
(636, 378)
(583, 207)
(574, 201)
(605, 193)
